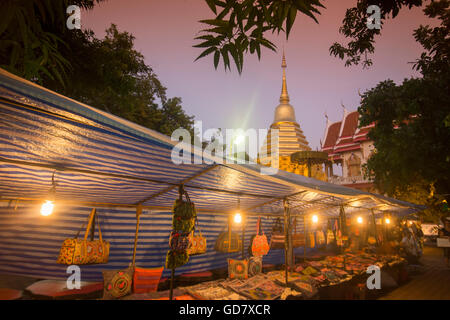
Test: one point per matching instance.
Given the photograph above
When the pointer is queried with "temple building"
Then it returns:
(291, 137)
(348, 146)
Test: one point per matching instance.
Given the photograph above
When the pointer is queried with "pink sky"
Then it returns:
(317, 82)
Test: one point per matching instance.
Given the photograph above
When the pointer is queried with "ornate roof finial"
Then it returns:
(284, 98)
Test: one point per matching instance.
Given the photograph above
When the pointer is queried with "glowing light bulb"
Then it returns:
(47, 208)
(387, 220)
(237, 218)
(239, 139)
(315, 218)
(359, 219)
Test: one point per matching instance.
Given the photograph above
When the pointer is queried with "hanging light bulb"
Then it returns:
(315, 218)
(47, 208)
(237, 217)
(359, 220)
(387, 220)
(48, 205)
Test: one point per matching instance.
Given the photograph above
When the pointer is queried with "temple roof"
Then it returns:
(344, 135)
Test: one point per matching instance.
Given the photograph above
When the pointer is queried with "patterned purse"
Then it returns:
(260, 246)
(228, 242)
(298, 239)
(197, 243)
(79, 252)
(277, 237)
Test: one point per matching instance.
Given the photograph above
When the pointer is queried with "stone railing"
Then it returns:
(348, 180)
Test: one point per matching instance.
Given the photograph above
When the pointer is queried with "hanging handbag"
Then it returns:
(260, 246)
(277, 237)
(298, 239)
(320, 237)
(81, 251)
(228, 241)
(311, 240)
(197, 243)
(184, 214)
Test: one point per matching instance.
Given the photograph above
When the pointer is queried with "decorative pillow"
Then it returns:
(254, 266)
(117, 283)
(146, 280)
(237, 269)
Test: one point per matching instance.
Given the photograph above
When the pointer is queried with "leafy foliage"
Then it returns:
(111, 75)
(29, 47)
(362, 39)
(239, 26)
(411, 135)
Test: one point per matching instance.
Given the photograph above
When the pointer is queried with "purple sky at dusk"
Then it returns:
(317, 82)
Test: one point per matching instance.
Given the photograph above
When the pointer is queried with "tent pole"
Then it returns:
(138, 219)
(375, 227)
(286, 239)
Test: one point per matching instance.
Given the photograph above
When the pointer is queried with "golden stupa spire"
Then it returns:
(284, 98)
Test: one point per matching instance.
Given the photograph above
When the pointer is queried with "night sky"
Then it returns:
(317, 82)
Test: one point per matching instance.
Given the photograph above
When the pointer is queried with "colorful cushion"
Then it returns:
(254, 266)
(237, 269)
(117, 283)
(146, 280)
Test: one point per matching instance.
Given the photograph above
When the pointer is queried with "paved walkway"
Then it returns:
(432, 284)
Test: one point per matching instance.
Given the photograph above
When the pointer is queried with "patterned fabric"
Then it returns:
(179, 241)
(258, 287)
(197, 244)
(146, 280)
(81, 251)
(212, 290)
(117, 284)
(237, 269)
(254, 266)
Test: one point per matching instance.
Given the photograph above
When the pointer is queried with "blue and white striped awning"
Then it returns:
(101, 158)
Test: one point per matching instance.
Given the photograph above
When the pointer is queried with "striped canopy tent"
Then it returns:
(99, 160)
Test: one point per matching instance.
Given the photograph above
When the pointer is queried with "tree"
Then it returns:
(239, 27)
(111, 75)
(411, 134)
(31, 33)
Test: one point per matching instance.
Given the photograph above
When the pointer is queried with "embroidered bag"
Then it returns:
(81, 251)
(277, 237)
(260, 246)
(197, 243)
(298, 239)
(228, 242)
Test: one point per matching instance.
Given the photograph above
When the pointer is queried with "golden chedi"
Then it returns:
(291, 138)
